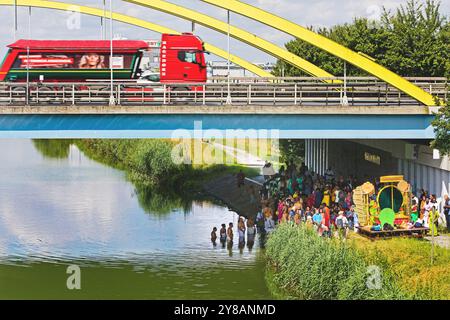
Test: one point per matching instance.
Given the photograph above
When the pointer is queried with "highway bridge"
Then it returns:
(366, 108)
(306, 91)
(394, 111)
(382, 106)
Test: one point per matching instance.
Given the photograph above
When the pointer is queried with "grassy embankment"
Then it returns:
(150, 162)
(265, 149)
(302, 265)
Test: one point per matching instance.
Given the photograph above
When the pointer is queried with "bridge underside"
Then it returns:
(367, 160)
(317, 122)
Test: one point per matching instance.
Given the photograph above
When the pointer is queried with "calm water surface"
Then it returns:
(55, 212)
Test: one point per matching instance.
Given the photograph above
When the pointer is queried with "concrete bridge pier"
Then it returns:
(316, 155)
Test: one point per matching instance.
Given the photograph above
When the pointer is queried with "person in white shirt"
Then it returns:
(426, 214)
(414, 198)
(342, 225)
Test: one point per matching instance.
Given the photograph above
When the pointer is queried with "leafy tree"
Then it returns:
(413, 41)
(292, 150)
(442, 130)
(416, 40)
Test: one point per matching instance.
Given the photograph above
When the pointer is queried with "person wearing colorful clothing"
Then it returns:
(355, 221)
(447, 211)
(414, 212)
(433, 221)
(326, 221)
(280, 209)
(326, 197)
(317, 219)
(427, 208)
(423, 202)
(373, 209)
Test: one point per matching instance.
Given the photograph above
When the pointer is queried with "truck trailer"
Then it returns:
(182, 60)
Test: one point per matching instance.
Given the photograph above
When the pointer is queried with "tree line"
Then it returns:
(412, 41)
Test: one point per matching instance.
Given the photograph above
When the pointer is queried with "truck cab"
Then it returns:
(182, 59)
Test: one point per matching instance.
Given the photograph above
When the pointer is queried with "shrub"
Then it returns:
(307, 266)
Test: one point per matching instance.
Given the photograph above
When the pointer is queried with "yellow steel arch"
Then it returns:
(237, 33)
(328, 45)
(136, 22)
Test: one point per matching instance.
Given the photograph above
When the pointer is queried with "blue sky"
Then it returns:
(52, 24)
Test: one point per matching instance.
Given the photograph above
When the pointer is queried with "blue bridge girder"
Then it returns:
(289, 108)
(285, 126)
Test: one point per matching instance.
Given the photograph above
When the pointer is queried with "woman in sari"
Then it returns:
(326, 197)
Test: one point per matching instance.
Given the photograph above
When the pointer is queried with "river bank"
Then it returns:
(302, 265)
(149, 162)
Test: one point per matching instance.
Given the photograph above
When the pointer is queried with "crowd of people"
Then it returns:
(324, 202)
(425, 211)
(298, 195)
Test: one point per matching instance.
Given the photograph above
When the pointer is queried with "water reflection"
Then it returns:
(162, 201)
(50, 148)
(57, 210)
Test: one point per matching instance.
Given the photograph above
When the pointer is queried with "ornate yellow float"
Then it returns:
(386, 210)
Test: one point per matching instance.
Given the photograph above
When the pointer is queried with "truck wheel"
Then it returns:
(47, 98)
(180, 95)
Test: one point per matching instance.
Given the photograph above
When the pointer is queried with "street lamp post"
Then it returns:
(103, 21)
(344, 101)
(229, 101)
(15, 20)
(112, 100)
(28, 57)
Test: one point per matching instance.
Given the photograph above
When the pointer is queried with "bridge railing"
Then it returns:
(243, 91)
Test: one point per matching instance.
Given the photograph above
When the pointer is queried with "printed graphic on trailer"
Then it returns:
(89, 60)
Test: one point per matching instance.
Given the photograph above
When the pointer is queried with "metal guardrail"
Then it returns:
(361, 91)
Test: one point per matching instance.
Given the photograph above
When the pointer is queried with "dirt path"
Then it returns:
(442, 241)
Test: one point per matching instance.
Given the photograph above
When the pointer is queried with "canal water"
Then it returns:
(59, 208)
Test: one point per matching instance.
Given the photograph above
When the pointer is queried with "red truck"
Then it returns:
(182, 60)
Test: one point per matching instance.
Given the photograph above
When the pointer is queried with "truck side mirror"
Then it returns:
(199, 59)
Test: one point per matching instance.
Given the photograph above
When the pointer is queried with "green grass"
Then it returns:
(302, 265)
(264, 149)
(149, 162)
(306, 266)
(409, 260)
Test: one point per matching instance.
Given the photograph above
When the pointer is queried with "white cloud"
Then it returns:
(51, 24)
(55, 211)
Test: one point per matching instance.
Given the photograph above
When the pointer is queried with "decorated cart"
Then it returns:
(386, 211)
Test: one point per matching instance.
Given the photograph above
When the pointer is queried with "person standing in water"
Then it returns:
(251, 228)
(241, 229)
(230, 234)
(223, 235)
(214, 235)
